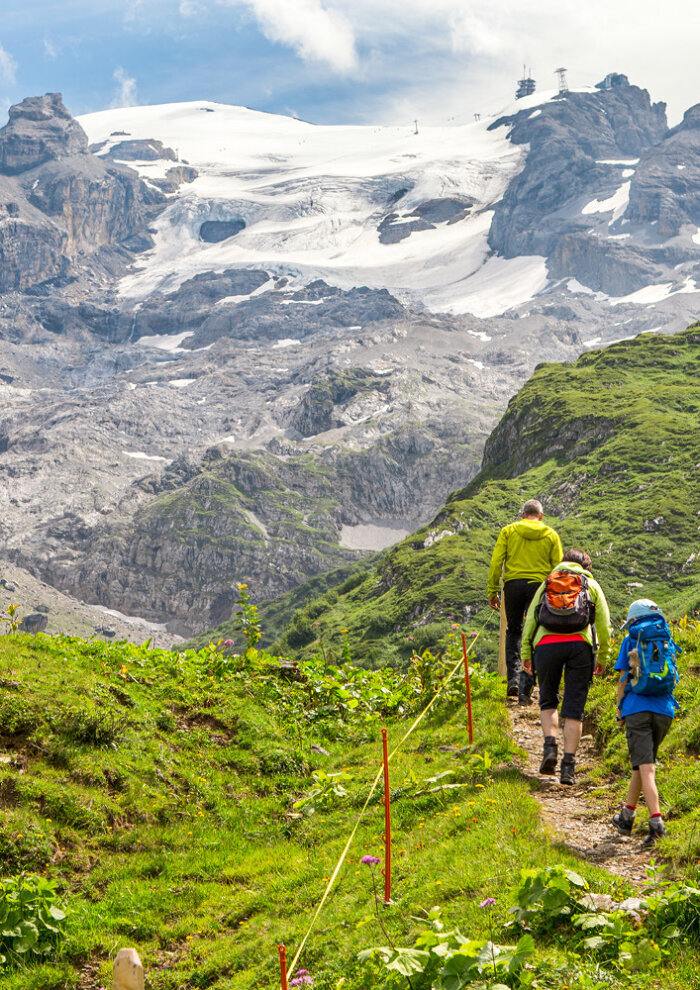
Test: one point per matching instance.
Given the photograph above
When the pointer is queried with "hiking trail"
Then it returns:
(578, 817)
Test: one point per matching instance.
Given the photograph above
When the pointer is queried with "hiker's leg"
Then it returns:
(549, 664)
(647, 773)
(577, 679)
(572, 735)
(527, 681)
(513, 592)
(634, 789)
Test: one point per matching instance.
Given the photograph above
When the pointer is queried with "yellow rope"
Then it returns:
(372, 789)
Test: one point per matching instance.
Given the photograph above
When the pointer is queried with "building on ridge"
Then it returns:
(526, 85)
(613, 80)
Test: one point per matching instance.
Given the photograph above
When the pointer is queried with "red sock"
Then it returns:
(657, 815)
(631, 807)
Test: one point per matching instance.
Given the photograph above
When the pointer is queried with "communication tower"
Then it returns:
(563, 85)
(526, 85)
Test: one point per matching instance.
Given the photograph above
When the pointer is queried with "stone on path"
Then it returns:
(128, 971)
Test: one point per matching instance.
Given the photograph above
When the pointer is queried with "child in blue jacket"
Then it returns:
(647, 718)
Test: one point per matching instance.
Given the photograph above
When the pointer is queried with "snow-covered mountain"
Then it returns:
(243, 347)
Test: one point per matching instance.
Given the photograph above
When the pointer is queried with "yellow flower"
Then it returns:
(242, 586)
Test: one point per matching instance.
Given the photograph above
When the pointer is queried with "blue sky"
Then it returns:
(340, 60)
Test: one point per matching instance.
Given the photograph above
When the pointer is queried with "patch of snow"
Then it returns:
(592, 342)
(480, 335)
(498, 285)
(166, 341)
(302, 302)
(617, 203)
(368, 536)
(181, 382)
(651, 294)
(617, 161)
(696, 237)
(535, 113)
(285, 342)
(680, 167)
(627, 173)
(479, 364)
(131, 619)
(139, 455)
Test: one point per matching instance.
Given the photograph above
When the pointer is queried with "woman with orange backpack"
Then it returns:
(568, 630)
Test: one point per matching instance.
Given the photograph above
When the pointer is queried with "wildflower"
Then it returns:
(489, 902)
(473, 635)
(241, 587)
(228, 642)
(370, 860)
(455, 625)
(300, 981)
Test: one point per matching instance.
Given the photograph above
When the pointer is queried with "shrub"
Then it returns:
(31, 918)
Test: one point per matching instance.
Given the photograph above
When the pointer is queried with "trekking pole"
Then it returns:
(502, 668)
(468, 687)
(386, 801)
(283, 967)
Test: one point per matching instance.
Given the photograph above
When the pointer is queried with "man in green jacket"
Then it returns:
(569, 653)
(528, 550)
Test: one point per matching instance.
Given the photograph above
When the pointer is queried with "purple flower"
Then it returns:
(228, 642)
(301, 979)
(302, 972)
(488, 902)
(370, 860)
(455, 625)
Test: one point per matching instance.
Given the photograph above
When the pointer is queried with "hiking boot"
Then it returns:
(567, 774)
(513, 690)
(623, 821)
(524, 700)
(657, 830)
(549, 758)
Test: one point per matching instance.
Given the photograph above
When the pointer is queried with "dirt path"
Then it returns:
(578, 816)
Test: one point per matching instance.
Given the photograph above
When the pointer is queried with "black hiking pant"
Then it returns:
(517, 595)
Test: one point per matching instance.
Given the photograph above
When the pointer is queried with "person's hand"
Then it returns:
(495, 602)
(599, 669)
(618, 716)
(527, 666)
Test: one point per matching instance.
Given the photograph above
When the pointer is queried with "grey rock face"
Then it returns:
(666, 186)
(569, 142)
(34, 623)
(58, 201)
(40, 129)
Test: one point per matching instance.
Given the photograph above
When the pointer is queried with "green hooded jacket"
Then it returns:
(530, 550)
(532, 633)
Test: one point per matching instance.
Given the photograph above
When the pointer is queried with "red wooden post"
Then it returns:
(468, 688)
(283, 967)
(386, 801)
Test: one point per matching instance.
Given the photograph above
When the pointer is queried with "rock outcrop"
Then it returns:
(58, 201)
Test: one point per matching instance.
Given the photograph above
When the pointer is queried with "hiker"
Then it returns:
(568, 630)
(646, 707)
(529, 550)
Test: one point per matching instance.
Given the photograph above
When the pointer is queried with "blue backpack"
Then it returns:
(652, 657)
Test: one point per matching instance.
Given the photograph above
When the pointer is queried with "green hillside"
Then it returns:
(173, 802)
(611, 446)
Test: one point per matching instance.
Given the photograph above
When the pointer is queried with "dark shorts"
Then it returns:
(645, 732)
(575, 661)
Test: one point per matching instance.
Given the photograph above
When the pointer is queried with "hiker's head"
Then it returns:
(532, 509)
(579, 557)
(643, 606)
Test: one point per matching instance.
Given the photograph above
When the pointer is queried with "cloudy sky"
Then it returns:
(342, 60)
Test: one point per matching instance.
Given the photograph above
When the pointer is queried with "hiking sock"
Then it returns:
(623, 820)
(630, 807)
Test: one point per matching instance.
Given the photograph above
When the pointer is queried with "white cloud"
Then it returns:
(8, 66)
(125, 93)
(49, 49)
(317, 32)
(187, 8)
(132, 9)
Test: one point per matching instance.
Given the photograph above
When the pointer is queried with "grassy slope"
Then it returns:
(176, 834)
(609, 443)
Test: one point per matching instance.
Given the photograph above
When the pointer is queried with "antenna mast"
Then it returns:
(563, 85)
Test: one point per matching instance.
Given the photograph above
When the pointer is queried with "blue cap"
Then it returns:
(643, 606)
